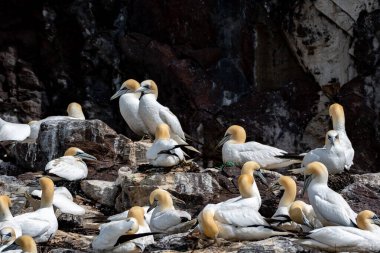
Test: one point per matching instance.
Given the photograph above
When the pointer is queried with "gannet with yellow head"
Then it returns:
(129, 106)
(165, 218)
(341, 238)
(13, 131)
(236, 150)
(329, 206)
(304, 214)
(6, 217)
(238, 220)
(63, 200)
(337, 114)
(110, 233)
(74, 112)
(165, 152)
(70, 166)
(41, 224)
(153, 113)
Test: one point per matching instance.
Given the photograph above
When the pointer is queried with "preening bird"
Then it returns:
(129, 106)
(13, 131)
(70, 166)
(25, 242)
(304, 214)
(42, 223)
(236, 150)
(329, 206)
(165, 152)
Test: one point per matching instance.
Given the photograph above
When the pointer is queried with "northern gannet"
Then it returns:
(165, 218)
(329, 206)
(165, 152)
(236, 150)
(74, 112)
(63, 200)
(129, 106)
(153, 113)
(6, 217)
(337, 113)
(70, 166)
(110, 233)
(13, 131)
(332, 155)
(253, 168)
(26, 243)
(340, 238)
(42, 223)
(304, 214)
(236, 220)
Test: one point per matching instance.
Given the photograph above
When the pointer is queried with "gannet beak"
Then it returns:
(306, 184)
(152, 206)
(86, 156)
(224, 140)
(376, 220)
(119, 93)
(275, 187)
(141, 89)
(259, 174)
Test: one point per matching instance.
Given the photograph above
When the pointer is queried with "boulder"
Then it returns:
(101, 191)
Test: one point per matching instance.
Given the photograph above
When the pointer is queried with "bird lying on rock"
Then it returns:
(70, 166)
(13, 131)
(237, 151)
(304, 214)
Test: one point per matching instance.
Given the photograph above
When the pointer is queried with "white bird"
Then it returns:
(165, 218)
(236, 220)
(110, 233)
(129, 106)
(124, 215)
(70, 166)
(340, 238)
(6, 217)
(329, 206)
(337, 113)
(236, 150)
(153, 113)
(13, 131)
(42, 223)
(74, 111)
(304, 214)
(332, 155)
(165, 152)
(63, 200)
(26, 243)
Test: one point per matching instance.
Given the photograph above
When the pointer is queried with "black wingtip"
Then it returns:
(126, 238)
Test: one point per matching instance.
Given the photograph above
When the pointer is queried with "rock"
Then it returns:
(93, 136)
(101, 191)
(69, 242)
(195, 188)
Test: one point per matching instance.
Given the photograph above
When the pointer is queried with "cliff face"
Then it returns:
(272, 67)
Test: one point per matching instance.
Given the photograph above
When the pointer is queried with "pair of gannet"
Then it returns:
(236, 150)
(238, 219)
(165, 152)
(6, 217)
(111, 234)
(8, 237)
(13, 131)
(41, 224)
(70, 166)
(74, 111)
(365, 238)
(63, 200)
(329, 206)
(165, 218)
(288, 205)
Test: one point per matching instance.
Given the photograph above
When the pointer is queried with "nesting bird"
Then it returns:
(70, 166)
(236, 150)
(165, 218)
(42, 223)
(129, 106)
(329, 206)
(109, 238)
(74, 112)
(304, 214)
(13, 131)
(6, 217)
(165, 152)
(26, 243)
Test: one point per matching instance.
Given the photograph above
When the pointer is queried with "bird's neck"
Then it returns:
(288, 197)
(339, 124)
(5, 214)
(150, 96)
(47, 198)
